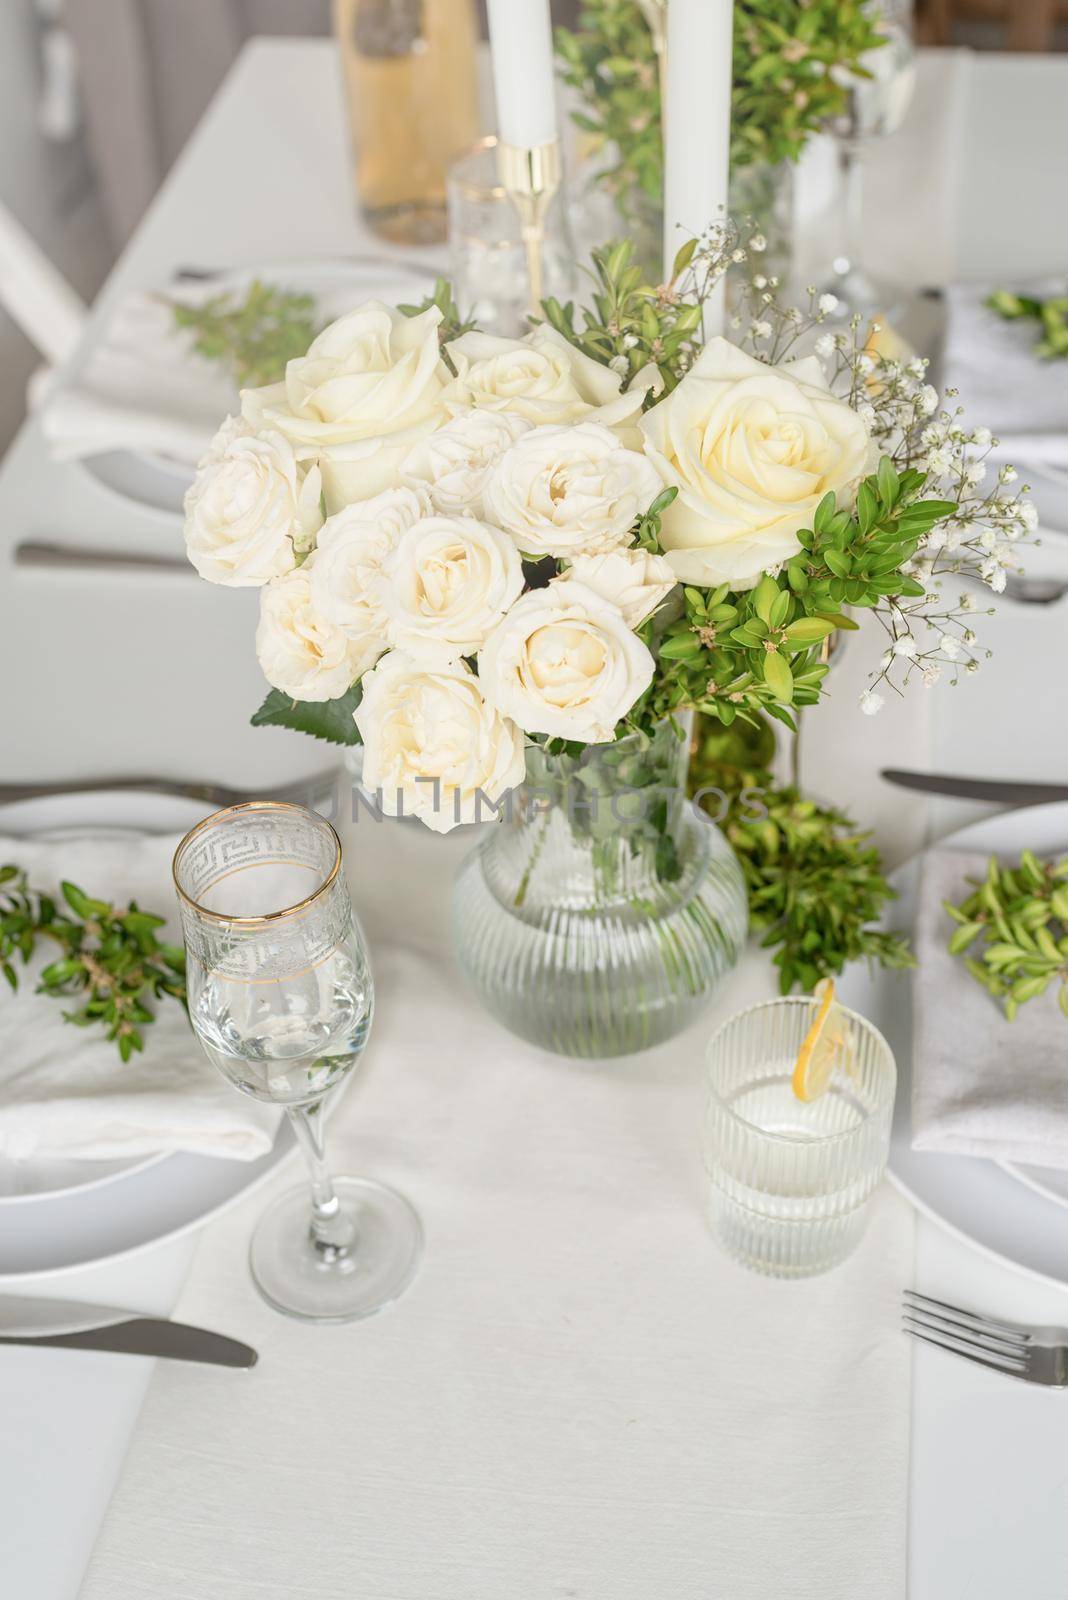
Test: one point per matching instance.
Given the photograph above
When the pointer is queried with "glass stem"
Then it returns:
(851, 178)
(333, 1233)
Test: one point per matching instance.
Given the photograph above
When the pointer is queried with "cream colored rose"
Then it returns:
(446, 583)
(636, 581)
(432, 743)
(368, 388)
(250, 508)
(299, 651)
(453, 462)
(541, 377)
(752, 449)
(346, 573)
(566, 491)
(564, 662)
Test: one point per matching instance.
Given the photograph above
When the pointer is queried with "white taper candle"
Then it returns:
(697, 127)
(521, 44)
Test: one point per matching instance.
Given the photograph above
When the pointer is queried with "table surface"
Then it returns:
(251, 183)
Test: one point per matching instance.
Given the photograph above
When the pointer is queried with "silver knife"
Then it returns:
(69, 1325)
(215, 794)
(1000, 791)
(37, 553)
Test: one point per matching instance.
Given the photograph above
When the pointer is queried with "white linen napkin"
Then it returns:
(1003, 384)
(64, 1092)
(981, 1086)
(142, 387)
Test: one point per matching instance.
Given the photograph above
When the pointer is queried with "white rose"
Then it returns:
(432, 743)
(541, 377)
(250, 508)
(347, 568)
(368, 388)
(752, 449)
(571, 490)
(564, 662)
(299, 651)
(634, 580)
(453, 461)
(446, 583)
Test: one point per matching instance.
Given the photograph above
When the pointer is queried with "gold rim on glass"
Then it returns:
(270, 916)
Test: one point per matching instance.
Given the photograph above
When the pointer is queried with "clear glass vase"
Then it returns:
(599, 915)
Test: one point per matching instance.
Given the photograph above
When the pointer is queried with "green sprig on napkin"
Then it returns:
(1051, 315)
(253, 336)
(111, 961)
(1013, 930)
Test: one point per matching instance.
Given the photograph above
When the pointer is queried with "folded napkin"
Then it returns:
(142, 387)
(1004, 385)
(981, 1086)
(64, 1092)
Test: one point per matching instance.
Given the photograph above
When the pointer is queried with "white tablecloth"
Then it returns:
(578, 1396)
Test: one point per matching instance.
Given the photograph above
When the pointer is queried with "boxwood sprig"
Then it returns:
(1012, 930)
(732, 654)
(111, 963)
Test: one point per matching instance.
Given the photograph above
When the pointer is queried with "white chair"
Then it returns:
(36, 295)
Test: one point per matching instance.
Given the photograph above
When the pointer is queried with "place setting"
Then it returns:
(542, 1115)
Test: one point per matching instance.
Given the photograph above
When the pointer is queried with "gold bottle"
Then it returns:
(411, 88)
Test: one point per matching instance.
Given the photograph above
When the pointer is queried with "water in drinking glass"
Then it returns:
(287, 1044)
(281, 1000)
(791, 1174)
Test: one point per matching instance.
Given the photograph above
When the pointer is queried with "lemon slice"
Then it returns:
(825, 1045)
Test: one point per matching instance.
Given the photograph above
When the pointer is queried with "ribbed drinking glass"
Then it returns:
(281, 998)
(790, 1179)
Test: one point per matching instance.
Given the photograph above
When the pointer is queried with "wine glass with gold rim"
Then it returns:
(281, 999)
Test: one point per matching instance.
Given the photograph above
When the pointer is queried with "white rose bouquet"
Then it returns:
(467, 545)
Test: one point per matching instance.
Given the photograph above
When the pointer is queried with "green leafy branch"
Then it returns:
(815, 883)
(112, 962)
(1013, 930)
(736, 654)
(1050, 314)
(253, 336)
(784, 87)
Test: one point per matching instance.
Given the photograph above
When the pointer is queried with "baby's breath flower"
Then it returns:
(827, 303)
(1008, 475)
(905, 646)
(870, 702)
(825, 346)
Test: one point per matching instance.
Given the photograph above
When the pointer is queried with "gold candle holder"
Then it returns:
(530, 176)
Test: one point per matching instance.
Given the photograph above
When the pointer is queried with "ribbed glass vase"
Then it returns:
(599, 915)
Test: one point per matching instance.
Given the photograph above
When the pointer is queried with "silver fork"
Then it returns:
(1036, 1354)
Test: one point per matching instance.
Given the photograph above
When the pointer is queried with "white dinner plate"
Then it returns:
(1012, 1213)
(57, 1216)
(160, 483)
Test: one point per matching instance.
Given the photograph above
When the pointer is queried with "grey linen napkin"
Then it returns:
(981, 1086)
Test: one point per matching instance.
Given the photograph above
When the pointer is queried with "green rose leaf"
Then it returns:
(322, 719)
